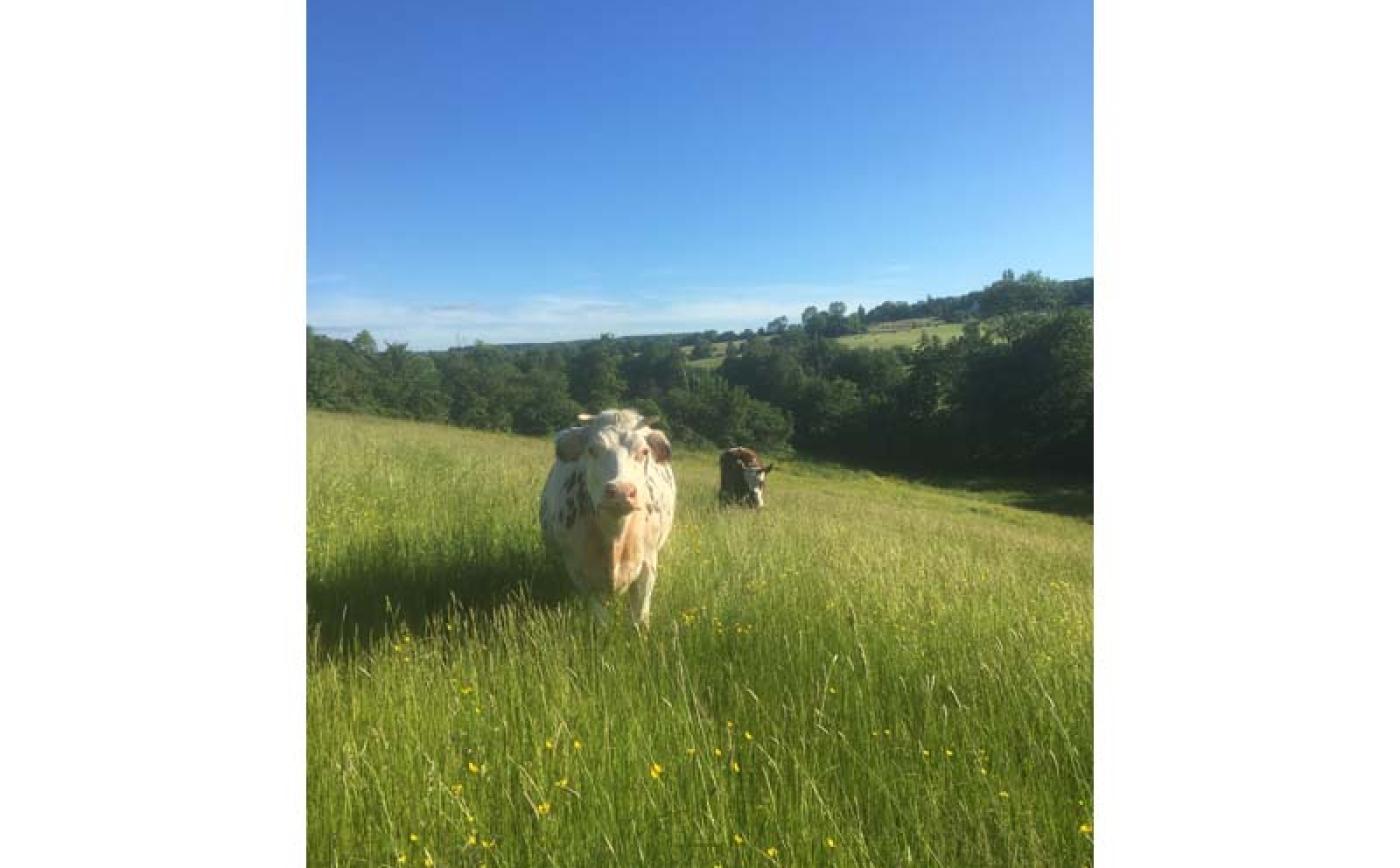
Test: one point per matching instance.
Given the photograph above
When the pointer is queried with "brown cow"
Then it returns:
(742, 476)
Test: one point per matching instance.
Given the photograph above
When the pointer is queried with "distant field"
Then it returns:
(902, 333)
(716, 358)
(899, 333)
(868, 673)
(712, 362)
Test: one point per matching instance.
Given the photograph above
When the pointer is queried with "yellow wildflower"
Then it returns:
(578, 745)
(831, 843)
(656, 771)
(734, 766)
(1004, 794)
(413, 836)
(428, 861)
(562, 783)
(456, 789)
(771, 852)
(549, 744)
(947, 752)
(473, 767)
(543, 808)
(738, 840)
(748, 736)
(471, 839)
(718, 753)
(690, 751)
(403, 858)
(1086, 828)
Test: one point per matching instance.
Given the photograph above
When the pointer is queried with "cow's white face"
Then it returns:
(614, 451)
(756, 478)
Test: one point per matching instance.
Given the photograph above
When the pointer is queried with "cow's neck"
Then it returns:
(619, 536)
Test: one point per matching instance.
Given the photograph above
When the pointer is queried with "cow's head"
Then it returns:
(756, 480)
(613, 449)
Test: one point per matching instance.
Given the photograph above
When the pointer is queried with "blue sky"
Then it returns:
(518, 171)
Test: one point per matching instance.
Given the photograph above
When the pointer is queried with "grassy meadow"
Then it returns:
(902, 333)
(869, 672)
(885, 336)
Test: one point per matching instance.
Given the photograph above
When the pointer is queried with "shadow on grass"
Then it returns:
(374, 590)
(1070, 497)
(1071, 502)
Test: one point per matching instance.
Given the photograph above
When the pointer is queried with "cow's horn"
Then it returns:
(585, 417)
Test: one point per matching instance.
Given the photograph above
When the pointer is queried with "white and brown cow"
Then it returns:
(608, 505)
(742, 476)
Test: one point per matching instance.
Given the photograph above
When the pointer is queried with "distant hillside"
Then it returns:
(1006, 385)
(1030, 292)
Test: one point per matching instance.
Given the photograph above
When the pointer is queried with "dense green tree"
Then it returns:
(654, 369)
(595, 376)
(364, 344)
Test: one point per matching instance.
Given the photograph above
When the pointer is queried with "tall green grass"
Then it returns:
(869, 672)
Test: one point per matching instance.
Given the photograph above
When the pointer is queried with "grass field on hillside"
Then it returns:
(869, 672)
(904, 333)
(900, 333)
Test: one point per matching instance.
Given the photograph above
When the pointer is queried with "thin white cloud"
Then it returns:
(556, 316)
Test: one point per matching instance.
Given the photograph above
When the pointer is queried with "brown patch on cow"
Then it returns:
(611, 556)
(744, 456)
(660, 446)
(627, 551)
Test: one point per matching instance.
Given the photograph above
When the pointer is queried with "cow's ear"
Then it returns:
(569, 443)
(660, 446)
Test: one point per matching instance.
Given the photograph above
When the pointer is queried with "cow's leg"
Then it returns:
(594, 599)
(595, 605)
(640, 595)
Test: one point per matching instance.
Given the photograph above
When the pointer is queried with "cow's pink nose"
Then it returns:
(620, 489)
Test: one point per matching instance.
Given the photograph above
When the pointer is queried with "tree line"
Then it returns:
(1012, 393)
